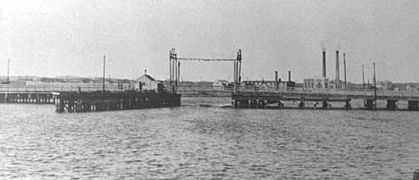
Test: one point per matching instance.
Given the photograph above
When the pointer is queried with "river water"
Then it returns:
(195, 142)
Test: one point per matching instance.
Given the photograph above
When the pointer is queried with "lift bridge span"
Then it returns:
(174, 68)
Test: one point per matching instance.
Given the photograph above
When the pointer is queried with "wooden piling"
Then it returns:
(416, 174)
(107, 101)
(413, 105)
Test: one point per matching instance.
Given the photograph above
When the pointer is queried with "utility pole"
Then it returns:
(8, 71)
(363, 77)
(103, 80)
(178, 73)
(344, 70)
(375, 88)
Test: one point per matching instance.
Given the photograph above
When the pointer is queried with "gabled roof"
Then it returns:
(148, 77)
(222, 81)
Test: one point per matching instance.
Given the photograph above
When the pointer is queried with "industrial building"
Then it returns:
(324, 82)
(277, 84)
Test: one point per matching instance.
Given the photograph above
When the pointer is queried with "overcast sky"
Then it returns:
(61, 37)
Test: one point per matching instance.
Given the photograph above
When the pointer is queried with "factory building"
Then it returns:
(277, 84)
(324, 82)
(316, 83)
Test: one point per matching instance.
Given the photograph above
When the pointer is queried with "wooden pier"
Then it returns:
(262, 99)
(28, 97)
(106, 101)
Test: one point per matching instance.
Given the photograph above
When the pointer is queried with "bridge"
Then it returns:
(261, 99)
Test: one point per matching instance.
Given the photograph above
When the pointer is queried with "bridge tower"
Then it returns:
(174, 68)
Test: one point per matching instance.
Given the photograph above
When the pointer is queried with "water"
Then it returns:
(194, 142)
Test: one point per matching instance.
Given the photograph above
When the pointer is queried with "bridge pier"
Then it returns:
(325, 105)
(391, 104)
(280, 105)
(240, 104)
(253, 103)
(348, 105)
(262, 104)
(60, 106)
(369, 104)
(413, 105)
(301, 104)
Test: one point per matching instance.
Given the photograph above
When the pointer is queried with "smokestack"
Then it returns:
(337, 70)
(289, 76)
(276, 79)
(324, 63)
(344, 70)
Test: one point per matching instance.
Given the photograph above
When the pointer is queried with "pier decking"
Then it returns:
(28, 97)
(94, 101)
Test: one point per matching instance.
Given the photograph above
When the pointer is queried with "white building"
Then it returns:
(220, 84)
(317, 83)
(148, 83)
(268, 85)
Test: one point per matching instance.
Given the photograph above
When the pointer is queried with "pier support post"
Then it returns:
(280, 105)
(416, 175)
(253, 103)
(413, 106)
(301, 104)
(241, 104)
(348, 105)
(391, 104)
(325, 105)
(262, 104)
(60, 106)
(369, 104)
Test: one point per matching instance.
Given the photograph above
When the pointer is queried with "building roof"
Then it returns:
(222, 81)
(146, 76)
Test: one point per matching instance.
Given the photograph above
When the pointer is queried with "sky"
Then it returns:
(61, 37)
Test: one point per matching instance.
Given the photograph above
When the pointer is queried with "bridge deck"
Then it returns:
(324, 95)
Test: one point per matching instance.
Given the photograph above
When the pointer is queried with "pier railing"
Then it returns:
(335, 94)
(62, 87)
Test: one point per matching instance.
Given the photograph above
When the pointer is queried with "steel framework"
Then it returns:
(174, 68)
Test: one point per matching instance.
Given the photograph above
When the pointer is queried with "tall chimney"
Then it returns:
(344, 70)
(289, 76)
(337, 70)
(324, 63)
(276, 79)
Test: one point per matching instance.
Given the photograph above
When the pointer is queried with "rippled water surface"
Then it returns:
(194, 142)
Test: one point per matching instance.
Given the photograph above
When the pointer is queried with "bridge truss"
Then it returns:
(174, 66)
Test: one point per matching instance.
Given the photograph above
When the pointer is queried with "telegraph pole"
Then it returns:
(344, 70)
(103, 80)
(8, 71)
(363, 77)
(178, 73)
(375, 88)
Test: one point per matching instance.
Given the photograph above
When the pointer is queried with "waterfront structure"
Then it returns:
(268, 85)
(261, 99)
(28, 97)
(148, 83)
(174, 66)
(107, 101)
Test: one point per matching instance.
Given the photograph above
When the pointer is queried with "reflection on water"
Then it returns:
(192, 141)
